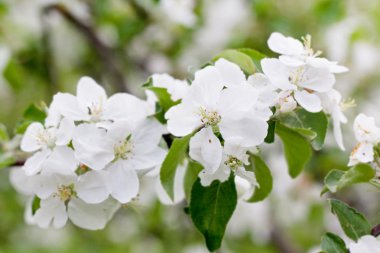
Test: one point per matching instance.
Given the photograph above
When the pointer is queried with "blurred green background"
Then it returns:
(47, 45)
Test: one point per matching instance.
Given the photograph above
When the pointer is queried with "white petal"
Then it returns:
(91, 216)
(206, 149)
(92, 187)
(236, 101)
(91, 146)
(124, 106)
(46, 185)
(33, 164)
(51, 211)
(230, 72)
(89, 93)
(20, 181)
(221, 174)
(146, 160)
(67, 105)
(366, 244)
(246, 132)
(64, 132)
(176, 88)
(337, 129)
(362, 153)
(61, 161)
(206, 87)
(247, 175)
(182, 119)
(148, 134)
(123, 182)
(318, 79)
(278, 73)
(292, 61)
(29, 141)
(284, 45)
(365, 129)
(310, 102)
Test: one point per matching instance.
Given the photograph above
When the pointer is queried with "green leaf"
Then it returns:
(174, 157)
(244, 61)
(256, 56)
(332, 243)
(311, 125)
(337, 179)
(296, 148)
(211, 208)
(271, 132)
(3, 133)
(263, 177)
(353, 223)
(164, 99)
(32, 114)
(36, 203)
(191, 175)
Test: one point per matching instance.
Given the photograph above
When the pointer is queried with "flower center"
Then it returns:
(65, 192)
(96, 110)
(233, 162)
(297, 76)
(124, 149)
(210, 118)
(307, 47)
(45, 138)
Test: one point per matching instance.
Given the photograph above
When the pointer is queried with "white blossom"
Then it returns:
(366, 244)
(367, 133)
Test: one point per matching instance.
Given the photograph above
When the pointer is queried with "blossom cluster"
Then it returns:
(87, 156)
(91, 151)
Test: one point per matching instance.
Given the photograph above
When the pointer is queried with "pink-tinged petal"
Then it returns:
(92, 187)
(206, 149)
(33, 164)
(91, 216)
(90, 93)
(123, 182)
(183, 119)
(285, 45)
(231, 73)
(29, 142)
(310, 102)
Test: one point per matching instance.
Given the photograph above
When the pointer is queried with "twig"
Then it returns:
(103, 51)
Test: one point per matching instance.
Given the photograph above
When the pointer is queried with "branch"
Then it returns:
(103, 51)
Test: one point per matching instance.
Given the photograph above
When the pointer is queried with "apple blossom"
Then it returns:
(366, 244)
(368, 135)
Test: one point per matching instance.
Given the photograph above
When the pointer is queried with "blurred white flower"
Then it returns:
(368, 135)
(179, 11)
(366, 244)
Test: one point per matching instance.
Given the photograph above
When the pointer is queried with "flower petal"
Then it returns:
(231, 73)
(123, 182)
(278, 73)
(310, 102)
(182, 119)
(285, 45)
(29, 141)
(90, 93)
(68, 106)
(64, 132)
(33, 164)
(206, 149)
(91, 146)
(61, 161)
(92, 187)
(221, 174)
(91, 216)
(51, 211)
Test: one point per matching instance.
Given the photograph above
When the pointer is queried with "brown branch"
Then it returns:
(105, 53)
